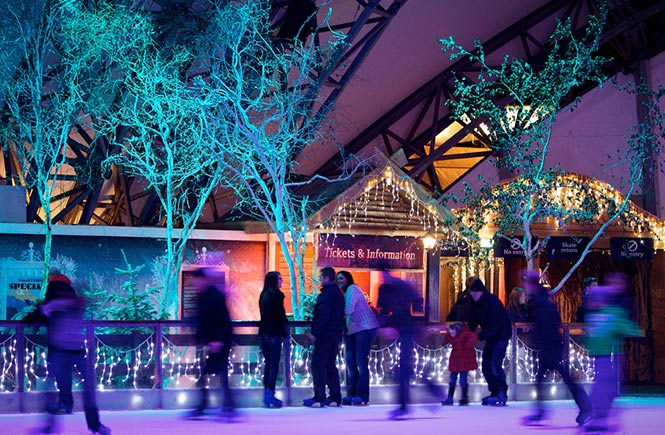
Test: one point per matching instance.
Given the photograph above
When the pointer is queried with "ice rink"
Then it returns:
(632, 416)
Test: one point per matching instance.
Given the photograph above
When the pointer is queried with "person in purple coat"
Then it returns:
(63, 309)
(397, 299)
(215, 331)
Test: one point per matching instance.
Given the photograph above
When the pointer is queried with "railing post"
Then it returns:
(20, 364)
(159, 369)
(566, 340)
(513, 365)
(90, 348)
(287, 368)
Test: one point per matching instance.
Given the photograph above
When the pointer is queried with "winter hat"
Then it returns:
(478, 286)
(56, 276)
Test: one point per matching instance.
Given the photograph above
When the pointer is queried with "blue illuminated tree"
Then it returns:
(157, 121)
(518, 103)
(51, 66)
(259, 97)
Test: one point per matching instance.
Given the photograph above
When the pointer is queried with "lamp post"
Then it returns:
(433, 256)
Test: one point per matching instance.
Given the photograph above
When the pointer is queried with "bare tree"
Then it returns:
(53, 69)
(259, 98)
(518, 103)
(160, 115)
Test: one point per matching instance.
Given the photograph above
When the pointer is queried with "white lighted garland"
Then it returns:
(182, 364)
(8, 364)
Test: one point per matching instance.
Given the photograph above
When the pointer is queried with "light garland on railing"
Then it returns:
(580, 362)
(251, 367)
(301, 357)
(135, 363)
(34, 364)
(123, 368)
(180, 363)
(382, 363)
(8, 366)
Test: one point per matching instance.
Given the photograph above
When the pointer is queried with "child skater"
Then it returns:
(462, 359)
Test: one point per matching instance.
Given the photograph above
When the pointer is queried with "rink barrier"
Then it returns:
(155, 365)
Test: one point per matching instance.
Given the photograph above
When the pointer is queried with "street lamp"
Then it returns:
(429, 241)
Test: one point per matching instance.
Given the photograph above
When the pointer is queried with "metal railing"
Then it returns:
(163, 355)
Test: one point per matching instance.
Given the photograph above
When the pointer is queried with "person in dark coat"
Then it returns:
(215, 332)
(489, 314)
(517, 309)
(273, 328)
(63, 309)
(327, 332)
(587, 284)
(461, 309)
(547, 339)
(396, 300)
(462, 359)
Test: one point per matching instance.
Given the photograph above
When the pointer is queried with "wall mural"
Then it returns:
(100, 268)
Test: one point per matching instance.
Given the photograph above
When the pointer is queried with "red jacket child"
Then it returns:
(463, 355)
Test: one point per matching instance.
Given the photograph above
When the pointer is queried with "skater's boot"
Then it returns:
(464, 401)
(448, 401)
(270, 401)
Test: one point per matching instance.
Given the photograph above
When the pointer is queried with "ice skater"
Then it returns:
(488, 314)
(397, 298)
(547, 339)
(607, 324)
(462, 359)
(64, 309)
(273, 329)
(215, 332)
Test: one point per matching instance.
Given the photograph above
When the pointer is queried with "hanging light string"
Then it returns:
(387, 192)
(8, 364)
(571, 192)
(122, 367)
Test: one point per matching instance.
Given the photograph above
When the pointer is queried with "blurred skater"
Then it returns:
(462, 359)
(547, 339)
(66, 349)
(361, 326)
(608, 324)
(273, 328)
(396, 299)
(215, 332)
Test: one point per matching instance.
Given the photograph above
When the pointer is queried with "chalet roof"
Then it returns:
(384, 201)
(634, 221)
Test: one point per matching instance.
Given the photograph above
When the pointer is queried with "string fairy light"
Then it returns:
(8, 364)
(385, 193)
(574, 193)
(122, 367)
